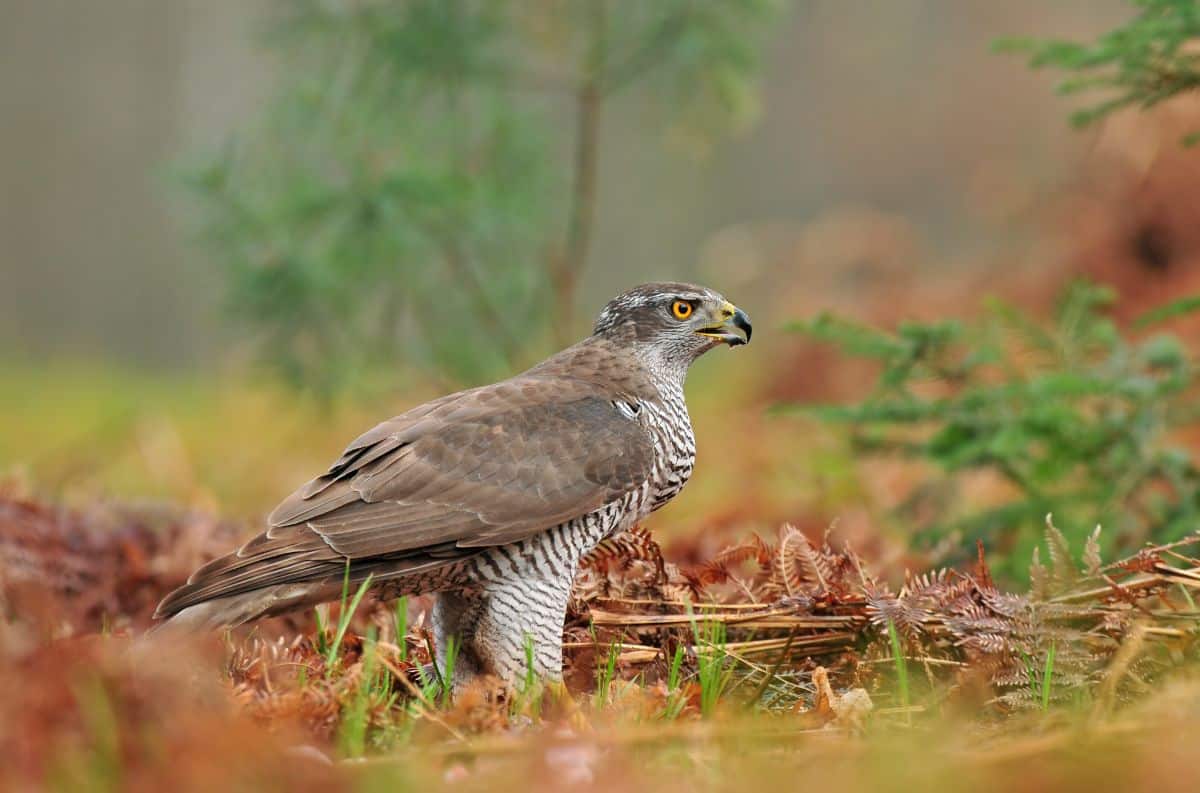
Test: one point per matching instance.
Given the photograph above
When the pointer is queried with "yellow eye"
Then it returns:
(681, 309)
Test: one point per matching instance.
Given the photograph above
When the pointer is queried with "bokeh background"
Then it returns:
(900, 120)
(894, 166)
(234, 234)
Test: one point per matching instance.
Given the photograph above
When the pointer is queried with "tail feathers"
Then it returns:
(233, 610)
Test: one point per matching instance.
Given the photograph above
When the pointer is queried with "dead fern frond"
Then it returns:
(983, 573)
(1144, 561)
(793, 546)
(1091, 554)
(636, 544)
(1062, 572)
(1039, 577)
(799, 566)
(908, 618)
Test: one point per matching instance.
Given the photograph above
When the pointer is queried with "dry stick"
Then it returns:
(772, 618)
(852, 601)
(1174, 632)
(1121, 662)
(832, 632)
(1189, 540)
(816, 645)
(1144, 581)
(825, 640)
(1192, 575)
(1194, 562)
(762, 689)
(914, 659)
(754, 667)
(831, 642)
(425, 707)
(822, 643)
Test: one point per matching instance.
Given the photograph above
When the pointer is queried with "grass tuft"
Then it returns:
(401, 626)
(606, 673)
(712, 668)
(901, 665)
(344, 617)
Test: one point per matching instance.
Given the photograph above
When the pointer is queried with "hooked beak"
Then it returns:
(734, 328)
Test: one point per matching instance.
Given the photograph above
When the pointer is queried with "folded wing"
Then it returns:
(481, 468)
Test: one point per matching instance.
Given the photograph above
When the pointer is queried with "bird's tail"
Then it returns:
(233, 610)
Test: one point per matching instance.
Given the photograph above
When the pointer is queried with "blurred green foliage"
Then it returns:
(1075, 416)
(398, 199)
(1150, 59)
(83, 430)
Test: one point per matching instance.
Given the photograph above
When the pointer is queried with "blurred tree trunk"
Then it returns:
(566, 269)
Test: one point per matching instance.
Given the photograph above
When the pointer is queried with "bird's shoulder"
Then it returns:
(602, 366)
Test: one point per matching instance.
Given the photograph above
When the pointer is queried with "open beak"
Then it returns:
(734, 329)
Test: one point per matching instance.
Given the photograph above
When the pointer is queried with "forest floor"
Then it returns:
(780, 659)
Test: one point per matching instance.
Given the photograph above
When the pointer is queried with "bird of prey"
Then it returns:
(490, 497)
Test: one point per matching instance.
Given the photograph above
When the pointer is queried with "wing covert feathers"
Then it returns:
(484, 467)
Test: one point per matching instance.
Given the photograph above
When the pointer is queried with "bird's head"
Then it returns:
(679, 322)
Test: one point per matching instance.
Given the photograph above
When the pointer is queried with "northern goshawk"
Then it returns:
(490, 497)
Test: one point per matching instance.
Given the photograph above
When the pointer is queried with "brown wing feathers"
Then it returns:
(479, 468)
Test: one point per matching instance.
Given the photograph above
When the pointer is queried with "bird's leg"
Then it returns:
(496, 623)
(454, 611)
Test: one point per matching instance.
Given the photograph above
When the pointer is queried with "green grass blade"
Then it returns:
(606, 674)
(355, 720)
(901, 664)
(401, 623)
(711, 668)
(447, 675)
(344, 619)
(673, 670)
(1048, 678)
